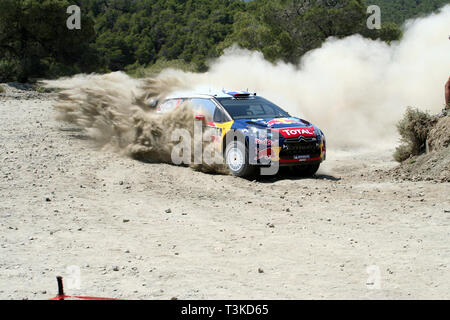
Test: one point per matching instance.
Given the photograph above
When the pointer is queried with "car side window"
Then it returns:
(205, 107)
(219, 116)
(169, 105)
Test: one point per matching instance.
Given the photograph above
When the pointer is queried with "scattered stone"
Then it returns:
(115, 268)
(126, 220)
(260, 270)
(168, 211)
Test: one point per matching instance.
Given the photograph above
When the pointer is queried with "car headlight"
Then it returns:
(318, 133)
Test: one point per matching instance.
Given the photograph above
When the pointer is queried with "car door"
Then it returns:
(213, 115)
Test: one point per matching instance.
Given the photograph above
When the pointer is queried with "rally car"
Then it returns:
(253, 132)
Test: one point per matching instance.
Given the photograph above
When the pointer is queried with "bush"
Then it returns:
(414, 129)
(402, 153)
(40, 89)
(139, 71)
(8, 70)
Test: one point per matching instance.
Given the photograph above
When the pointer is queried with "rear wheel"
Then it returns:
(236, 158)
(307, 170)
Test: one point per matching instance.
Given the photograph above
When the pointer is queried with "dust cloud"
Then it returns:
(354, 89)
(118, 113)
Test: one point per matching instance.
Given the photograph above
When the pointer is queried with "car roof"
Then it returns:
(206, 94)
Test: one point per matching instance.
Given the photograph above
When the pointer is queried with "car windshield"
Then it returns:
(252, 108)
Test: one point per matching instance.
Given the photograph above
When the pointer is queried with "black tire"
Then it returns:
(307, 170)
(240, 166)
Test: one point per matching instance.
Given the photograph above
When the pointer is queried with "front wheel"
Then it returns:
(307, 170)
(236, 158)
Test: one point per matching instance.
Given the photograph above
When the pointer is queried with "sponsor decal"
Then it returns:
(296, 132)
(298, 157)
(282, 121)
(263, 142)
(269, 154)
(264, 154)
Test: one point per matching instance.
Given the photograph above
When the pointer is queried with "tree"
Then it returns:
(389, 32)
(287, 29)
(34, 38)
(398, 11)
(132, 34)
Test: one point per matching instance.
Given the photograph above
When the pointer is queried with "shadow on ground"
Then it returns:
(286, 174)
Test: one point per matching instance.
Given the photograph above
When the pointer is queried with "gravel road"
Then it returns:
(115, 227)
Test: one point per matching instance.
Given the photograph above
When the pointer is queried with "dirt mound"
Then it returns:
(435, 163)
(439, 136)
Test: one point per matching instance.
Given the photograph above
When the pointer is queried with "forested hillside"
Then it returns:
(398, 11)
(133, 35)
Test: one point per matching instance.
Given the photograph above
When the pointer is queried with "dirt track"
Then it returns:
(63, 203)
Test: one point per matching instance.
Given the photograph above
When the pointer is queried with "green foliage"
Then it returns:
(34, 37)
(402, 153)
(287, 29)
(140, 71)
(389, 32)
(143, 36)
(414, 129)
(38, 88)
(399, 11)
(9, 68)
(146, 31)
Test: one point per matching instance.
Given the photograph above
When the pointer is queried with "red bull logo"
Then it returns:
(269, 154)
(282, 121)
